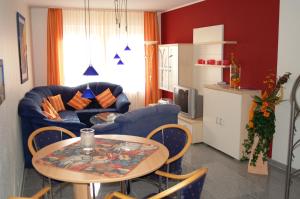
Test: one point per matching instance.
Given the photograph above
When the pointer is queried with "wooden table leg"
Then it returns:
(81, 191)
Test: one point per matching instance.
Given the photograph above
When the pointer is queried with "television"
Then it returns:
(190, 102)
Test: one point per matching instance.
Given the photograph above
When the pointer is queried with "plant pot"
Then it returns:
(261, 167)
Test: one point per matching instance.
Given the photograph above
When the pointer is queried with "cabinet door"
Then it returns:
(222, 121)
(172, 67)
(163, 63)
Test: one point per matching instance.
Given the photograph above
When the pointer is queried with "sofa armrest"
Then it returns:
(122, 103)
(106, 128)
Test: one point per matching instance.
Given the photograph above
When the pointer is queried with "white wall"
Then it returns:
(39, 45)
(288, 61)
(11, 154)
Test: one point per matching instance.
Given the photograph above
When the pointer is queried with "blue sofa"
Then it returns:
(140, 122)
(32, 116)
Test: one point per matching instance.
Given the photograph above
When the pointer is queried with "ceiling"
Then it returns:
(150, 5)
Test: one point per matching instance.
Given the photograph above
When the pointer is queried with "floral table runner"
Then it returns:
(111, 158)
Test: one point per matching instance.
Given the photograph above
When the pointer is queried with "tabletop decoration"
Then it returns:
(111, 158)
(261, 125)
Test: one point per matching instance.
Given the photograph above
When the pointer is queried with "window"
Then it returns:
(105, 41)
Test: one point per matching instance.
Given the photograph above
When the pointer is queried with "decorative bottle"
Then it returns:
(235, 73)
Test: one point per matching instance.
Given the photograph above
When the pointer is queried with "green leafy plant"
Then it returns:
(262, 119)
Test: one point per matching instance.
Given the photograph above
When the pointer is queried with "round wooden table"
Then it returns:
(81, 180)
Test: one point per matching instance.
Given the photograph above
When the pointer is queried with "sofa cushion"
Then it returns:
(79, 102)
(57, 102)
(49, 110)
(106, 98)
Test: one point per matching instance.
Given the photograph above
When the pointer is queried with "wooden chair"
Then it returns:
(44, 136)
(34, 145)
(177, 139)
(38, 195)
(190, 186)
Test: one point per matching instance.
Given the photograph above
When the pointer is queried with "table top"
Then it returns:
(146, 166)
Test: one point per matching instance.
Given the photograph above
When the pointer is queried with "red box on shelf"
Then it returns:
(211, 61)
(201, 61)
(219, 62)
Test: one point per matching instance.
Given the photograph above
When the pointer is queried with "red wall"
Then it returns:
(253, 24)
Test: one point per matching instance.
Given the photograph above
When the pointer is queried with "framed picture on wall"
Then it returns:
(2, 86)
(22, 45)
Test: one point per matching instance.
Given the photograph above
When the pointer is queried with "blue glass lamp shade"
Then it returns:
(127, 48)
(120, 62)
(88, 93)
(90, 71)
(116, 56)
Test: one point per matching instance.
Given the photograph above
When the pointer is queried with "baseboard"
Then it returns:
(22, 181)
(277, 164)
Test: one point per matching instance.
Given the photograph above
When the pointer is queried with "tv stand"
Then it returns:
(194, 125)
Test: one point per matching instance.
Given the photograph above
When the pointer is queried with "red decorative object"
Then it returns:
(201, 61)
(211, 61)
(219, 62)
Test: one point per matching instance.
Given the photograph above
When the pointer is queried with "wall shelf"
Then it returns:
(211, 65)
(216, 42)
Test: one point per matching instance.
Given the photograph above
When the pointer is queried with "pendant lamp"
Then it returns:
(90, 71)
(120, 7)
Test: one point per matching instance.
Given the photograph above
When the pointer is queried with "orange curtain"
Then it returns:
(151, 37)
(54, 47)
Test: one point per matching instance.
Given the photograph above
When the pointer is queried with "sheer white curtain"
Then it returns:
(105, 41)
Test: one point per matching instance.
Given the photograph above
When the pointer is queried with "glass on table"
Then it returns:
(87, 142)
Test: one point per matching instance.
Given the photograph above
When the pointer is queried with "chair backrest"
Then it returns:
(47, 135)
(38, 195)
(177, 139)
(191, 187)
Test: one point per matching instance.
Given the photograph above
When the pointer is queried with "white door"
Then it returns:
(163, 63)
(172, 67)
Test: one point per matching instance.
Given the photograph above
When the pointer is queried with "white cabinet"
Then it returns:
(195, 127)
(175, 65)
(225, 116)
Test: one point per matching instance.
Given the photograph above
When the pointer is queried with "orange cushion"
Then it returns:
(49, 111)
(79, 102)
(57, 102)
(106, 98)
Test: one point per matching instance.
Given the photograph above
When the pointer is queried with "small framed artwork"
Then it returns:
(2, 86)
(22, 45)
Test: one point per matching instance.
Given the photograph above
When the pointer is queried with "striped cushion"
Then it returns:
(49, 111)
(79, 102)
(57, 102)
(106, 98)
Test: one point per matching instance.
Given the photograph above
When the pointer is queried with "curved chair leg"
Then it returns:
(51, 190)
(93, 188)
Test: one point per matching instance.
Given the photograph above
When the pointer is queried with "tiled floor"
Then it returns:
(227, 179)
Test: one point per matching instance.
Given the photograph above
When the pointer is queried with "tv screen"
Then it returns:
(181, 98)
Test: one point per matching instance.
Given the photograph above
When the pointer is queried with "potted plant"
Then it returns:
(261, 125)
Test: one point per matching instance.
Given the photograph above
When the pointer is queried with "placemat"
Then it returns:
(111, 158)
